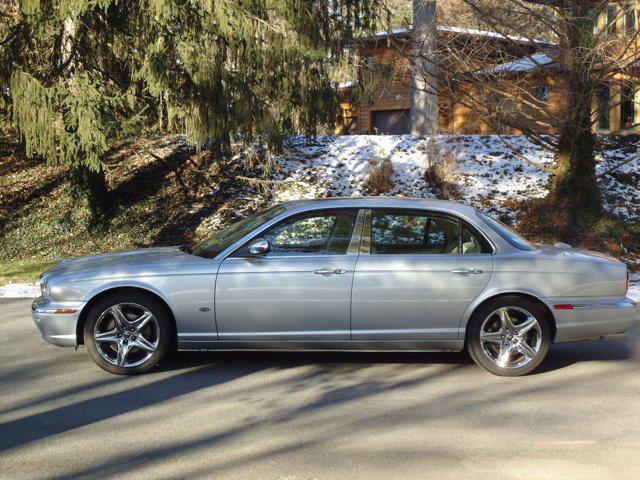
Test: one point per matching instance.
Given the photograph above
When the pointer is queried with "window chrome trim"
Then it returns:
(356, 236)
(365, 242)
(620, 304)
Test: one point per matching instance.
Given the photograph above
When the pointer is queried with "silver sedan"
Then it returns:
(340, 274)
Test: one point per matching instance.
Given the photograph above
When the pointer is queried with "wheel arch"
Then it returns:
(529, 296)
(82, 319)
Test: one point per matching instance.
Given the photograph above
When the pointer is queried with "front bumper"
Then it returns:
(595, 319)
(57, 321)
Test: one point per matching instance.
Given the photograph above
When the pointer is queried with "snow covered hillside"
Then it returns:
(489, 175)
(491, 171)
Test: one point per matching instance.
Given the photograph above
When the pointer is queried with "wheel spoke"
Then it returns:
(505, 319)
(144, 344)
(504, 355)
(491, 337)
(107, 337)
(525, 349)
(142, 321)
(123, 352)
(523, 328)
(118, 316)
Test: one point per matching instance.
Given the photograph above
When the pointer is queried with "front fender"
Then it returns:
(189, 297)
(96, 290)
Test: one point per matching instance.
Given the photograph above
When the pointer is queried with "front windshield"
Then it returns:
(224, 237)
(505, 232)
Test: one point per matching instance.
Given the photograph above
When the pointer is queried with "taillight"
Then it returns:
(627, 289)
(563, 306)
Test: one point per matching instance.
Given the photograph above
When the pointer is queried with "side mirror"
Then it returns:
(259, 246)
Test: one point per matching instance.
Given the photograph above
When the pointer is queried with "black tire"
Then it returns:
(129, 303)
(485, 356)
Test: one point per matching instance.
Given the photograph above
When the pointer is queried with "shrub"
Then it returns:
(380, 177)
(441, 171)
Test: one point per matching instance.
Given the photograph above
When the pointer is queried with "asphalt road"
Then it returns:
(321, 415)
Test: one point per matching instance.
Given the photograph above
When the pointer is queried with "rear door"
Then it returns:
(416, 275)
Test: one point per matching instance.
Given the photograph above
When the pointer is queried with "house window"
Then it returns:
(603, 107)
(627, 107)
(612, 20)
(631, 21)
(542, 92)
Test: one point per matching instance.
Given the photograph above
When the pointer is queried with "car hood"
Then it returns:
(119, 260)
(573, 252)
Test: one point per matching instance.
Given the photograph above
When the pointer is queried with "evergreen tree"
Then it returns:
(81, 72)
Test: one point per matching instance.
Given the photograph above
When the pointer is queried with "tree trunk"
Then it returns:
(91, 186)
(575, 184)
(424, 92)
(86, 183)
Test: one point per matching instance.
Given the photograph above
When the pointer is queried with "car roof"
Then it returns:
(380, 202)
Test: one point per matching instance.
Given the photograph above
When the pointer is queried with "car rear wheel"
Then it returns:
(127, 333)
(509, 336)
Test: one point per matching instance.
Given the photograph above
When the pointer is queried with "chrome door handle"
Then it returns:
(328, 271)
(466, 271)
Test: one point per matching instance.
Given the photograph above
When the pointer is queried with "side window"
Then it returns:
(407, 232)
(471, 244)
(325, 233)
(398, 232)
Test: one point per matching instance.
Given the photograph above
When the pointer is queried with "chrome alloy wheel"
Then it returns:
(126, 335)
(511, 337)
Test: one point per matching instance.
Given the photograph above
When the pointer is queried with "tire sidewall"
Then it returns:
(151, 304)
(475, 325)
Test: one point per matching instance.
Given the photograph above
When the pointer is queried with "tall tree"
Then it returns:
(424, 92)
(83, 71)
(582, 56)
(575, 181)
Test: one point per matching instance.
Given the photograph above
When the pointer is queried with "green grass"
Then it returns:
(22, 270)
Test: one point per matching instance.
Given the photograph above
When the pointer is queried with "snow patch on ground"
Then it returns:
(19, 290)
(634, 292)
(489, 174)
(492, 171)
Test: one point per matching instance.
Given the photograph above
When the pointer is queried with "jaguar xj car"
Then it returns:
(375, 274)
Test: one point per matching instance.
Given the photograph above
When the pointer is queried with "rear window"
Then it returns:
(505, 232)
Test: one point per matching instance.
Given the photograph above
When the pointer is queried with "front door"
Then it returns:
(299, 291)
(418, 275)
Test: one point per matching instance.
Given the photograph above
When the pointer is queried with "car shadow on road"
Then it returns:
(289, 359)
(186, 372)
(146, 393)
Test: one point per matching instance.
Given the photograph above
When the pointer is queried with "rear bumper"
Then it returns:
(593, 319)
(57, 321)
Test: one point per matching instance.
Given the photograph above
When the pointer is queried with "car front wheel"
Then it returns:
(127, 333)
(509, 336)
